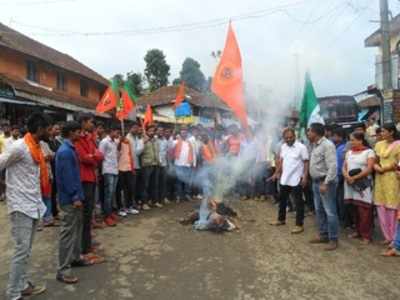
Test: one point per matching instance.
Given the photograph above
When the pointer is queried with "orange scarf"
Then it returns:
(131, 162)
(208, 152)
(38, 158)
(178, 150)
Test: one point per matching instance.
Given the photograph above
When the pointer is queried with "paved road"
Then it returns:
(153, 257)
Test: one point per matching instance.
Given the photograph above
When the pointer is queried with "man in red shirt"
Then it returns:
(233, 142)
(89, 159)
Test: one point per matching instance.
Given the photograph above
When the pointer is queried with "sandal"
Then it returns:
(354, 235)
(391, 253)
(67, 279)
(94, 259)
(277, 223)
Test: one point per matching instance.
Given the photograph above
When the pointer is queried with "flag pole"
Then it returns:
(123, 127)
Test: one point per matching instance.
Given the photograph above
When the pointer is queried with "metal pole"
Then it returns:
(385, 46)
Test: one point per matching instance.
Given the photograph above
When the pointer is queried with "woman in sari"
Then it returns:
(387, 184)
(357, 169)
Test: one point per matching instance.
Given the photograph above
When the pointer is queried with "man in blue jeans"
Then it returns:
(109, 148)
(323, 171)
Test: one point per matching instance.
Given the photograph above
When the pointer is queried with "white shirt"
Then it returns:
(23, 181)
(293, 158)
(183, 159)
(8, 142)
(109, 149)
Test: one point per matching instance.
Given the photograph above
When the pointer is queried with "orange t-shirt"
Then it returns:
(234, 145)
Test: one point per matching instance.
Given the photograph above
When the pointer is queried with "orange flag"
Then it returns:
(109, 99)
(180, 95)
(148, 117)
(228, 79)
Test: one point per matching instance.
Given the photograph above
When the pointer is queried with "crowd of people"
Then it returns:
(82, 175)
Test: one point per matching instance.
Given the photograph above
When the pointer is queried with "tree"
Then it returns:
(136, 81)
(192, 74)
(157, 69)
(176, 81)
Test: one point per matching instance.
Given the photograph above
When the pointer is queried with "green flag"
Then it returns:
(310, 109)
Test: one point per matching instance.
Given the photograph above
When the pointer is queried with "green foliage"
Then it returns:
(135, 80)
(157, 69)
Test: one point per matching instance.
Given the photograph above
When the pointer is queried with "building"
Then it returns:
(34, 76)
(204, 108)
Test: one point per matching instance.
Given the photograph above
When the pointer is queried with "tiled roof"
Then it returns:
(167, 94)
(17, 41)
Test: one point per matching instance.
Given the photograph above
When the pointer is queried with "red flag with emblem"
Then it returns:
(109, 99)
(228, 79)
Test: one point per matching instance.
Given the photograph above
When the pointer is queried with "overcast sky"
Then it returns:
(328, 36)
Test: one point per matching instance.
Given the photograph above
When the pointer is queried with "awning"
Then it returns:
(21, 102)
(53, 103)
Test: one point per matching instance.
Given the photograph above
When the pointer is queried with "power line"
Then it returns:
(165, 29)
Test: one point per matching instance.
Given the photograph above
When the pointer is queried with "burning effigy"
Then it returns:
(212, 215)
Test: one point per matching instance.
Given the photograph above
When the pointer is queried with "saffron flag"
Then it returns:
(228, 79)
(148, 117)
(126, 103)
(310, 109)
(180, 95)
(110, 98)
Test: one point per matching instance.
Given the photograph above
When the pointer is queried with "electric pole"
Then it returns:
(386, 51)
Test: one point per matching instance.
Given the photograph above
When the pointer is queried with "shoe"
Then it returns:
(332, 245)
(178, 200)
(319, 240)
(110, 222)
(94, 259)
(354, 235)
(146, 207)
(166, 201)
(188, 198)
(391, 253)
(122, 213)
(67, 279)
(114, 216)
(277, 223)
(297, 230)
(159, 205)
(33, 290)
(132, 211)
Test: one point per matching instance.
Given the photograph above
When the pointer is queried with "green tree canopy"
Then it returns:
(157, 69)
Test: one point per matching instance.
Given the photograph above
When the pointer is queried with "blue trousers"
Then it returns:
(326, 211)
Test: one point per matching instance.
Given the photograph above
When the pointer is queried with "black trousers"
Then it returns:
(162, 183)
(139, 183)
(126, 184)
(88, 206)
(297, 193)
(150, 184)
(54, 202)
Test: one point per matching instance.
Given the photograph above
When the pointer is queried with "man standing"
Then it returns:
(26, 175)
(150, 163)
(89, 159)
(109, 148)
(323, 171)
(163, 167)
(184, 158)
(137, 146)
(293, 172)
(70, 199)
(54, 143)
(15, 133)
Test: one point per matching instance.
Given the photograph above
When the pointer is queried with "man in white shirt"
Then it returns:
(109, 148)
(24, 200)
(184, 154)
(292, 170)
